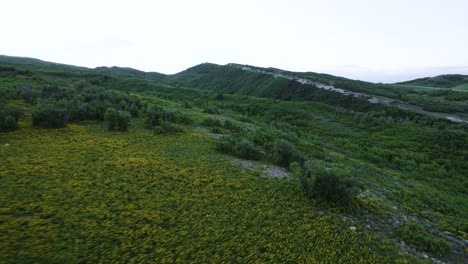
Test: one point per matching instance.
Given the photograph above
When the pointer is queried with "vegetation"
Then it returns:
(49, 114)
(117, 120)
(369, 176)
(442, 81)
(9, 118)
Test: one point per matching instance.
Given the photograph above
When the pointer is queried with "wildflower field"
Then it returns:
(82, 193)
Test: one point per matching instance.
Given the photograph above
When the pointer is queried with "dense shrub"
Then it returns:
(168, 128)
(324, 184)
(49, 114)
(157, 116)
(229, 125)
(212, 122)
(211, 110)
(154, 116)
(331, 188)
(285, 152)
(239, 147)
(118, 120)
(27, 93)
(7, 122)
(175, 116)
(9, 116)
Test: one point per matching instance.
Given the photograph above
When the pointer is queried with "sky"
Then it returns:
(372, 40)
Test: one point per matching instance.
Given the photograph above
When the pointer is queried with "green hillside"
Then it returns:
(441, 81)
(220, 164)
(264, 82)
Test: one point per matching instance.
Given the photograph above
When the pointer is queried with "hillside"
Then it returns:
(441, 81)
(221, 164)
(280, 84)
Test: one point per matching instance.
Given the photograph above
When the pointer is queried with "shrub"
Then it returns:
(117, 120)
(154, 116)
(285, 152)
(175, 116)
(49, 114)
(167, 127)
(239, 147)
(211, 110)
(331, 188)
(229, 125)
(27, 94)
(212, 122)
(7, 122)
(324, 185)
(157, 115)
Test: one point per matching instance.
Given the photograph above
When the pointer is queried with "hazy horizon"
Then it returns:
(378, 41)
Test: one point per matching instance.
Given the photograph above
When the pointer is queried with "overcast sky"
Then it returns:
(374, 40)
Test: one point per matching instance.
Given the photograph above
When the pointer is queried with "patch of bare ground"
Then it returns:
(266, 170)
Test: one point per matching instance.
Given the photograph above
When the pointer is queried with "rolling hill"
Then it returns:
(441, 81)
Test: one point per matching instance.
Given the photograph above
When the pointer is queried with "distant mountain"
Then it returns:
(129, 72)
(26, 62)
(441, 81)
(45, 66)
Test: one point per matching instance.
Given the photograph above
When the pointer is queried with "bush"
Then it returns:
(229, 125)
(154, 116)
(49, 114)
(157, 115)
(7, 122)
(212, 122)
(167, 127)
(324, 185)
(331, 188)
(285, 152)
(211, 110)
(9, 116)
(117, 120)
(239, 147)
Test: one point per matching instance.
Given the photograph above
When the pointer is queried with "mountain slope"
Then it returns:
(338, 91)
(441, 81)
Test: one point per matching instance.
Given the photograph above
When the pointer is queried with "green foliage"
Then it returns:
(416, 235)
(229, 125)
(154, 116)
(9, 117)
(211, 110)
(117, 120)
(239, 147)
(157, 116)
(7, 122)
(49, 114)
(443, 81)
(325, 185)
(175, 116)
(285, 152)
(212, 122)
(168, 128)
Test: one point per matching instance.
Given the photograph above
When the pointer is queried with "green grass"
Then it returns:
(96, 196)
